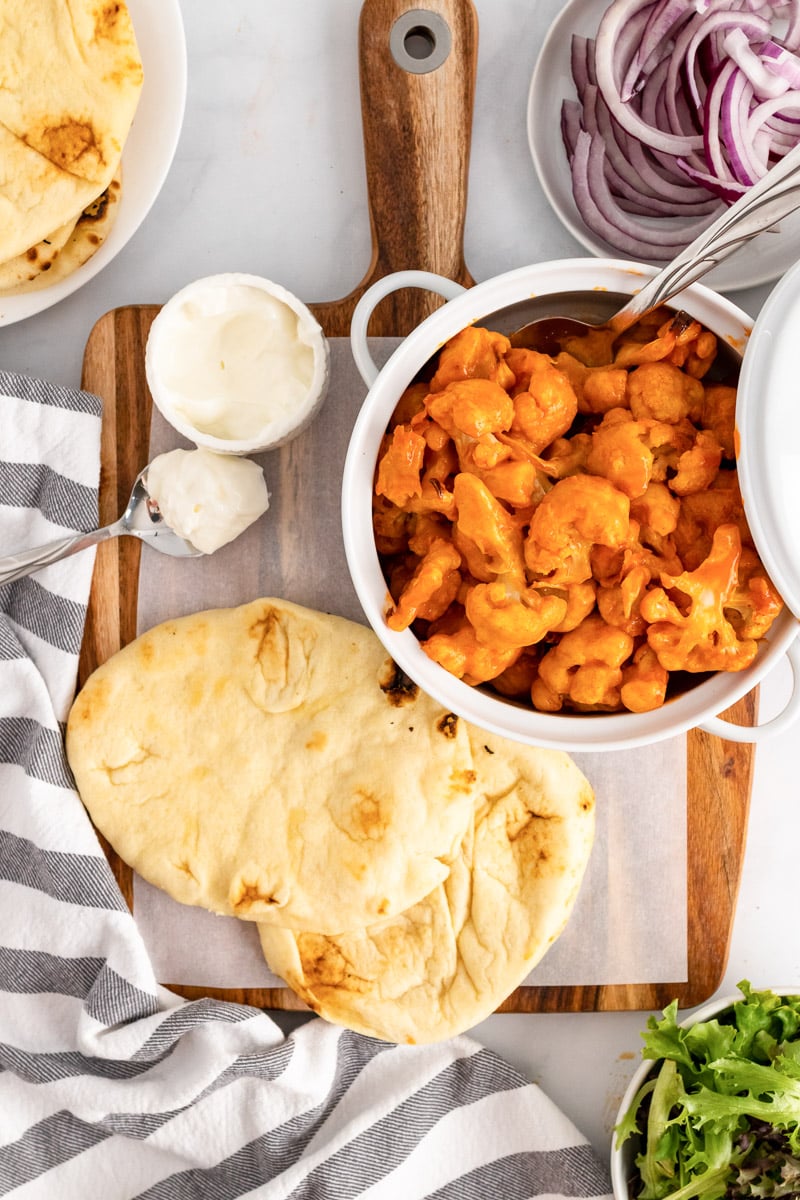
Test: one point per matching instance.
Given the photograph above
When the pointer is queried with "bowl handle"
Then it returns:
(757, 733)
(362, 312)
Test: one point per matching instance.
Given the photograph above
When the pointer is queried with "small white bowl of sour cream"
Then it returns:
(237, 364)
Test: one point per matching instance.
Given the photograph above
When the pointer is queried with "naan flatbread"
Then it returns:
(271, 763)
(72, 76)
(447, 962)
(64, 251)
(24, 268)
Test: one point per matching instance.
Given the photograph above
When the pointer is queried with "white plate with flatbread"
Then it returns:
(148, 151)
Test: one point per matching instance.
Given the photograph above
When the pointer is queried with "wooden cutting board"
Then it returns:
(417, 139)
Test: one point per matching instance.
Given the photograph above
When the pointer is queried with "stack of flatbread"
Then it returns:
(71, 76)
(406, 871)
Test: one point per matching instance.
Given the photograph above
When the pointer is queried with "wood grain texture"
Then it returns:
(417, 133)
(417, 140)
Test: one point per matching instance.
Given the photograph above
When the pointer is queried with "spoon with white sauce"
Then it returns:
(184, 503)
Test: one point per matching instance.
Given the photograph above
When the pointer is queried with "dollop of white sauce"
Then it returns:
(207, 498)
(235, 360)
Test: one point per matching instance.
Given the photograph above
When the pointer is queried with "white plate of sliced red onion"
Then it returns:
(647, 117)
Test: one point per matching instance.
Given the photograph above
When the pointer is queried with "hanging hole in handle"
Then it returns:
(420, 41)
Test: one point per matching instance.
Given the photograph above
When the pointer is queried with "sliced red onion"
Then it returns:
(729, 192)
(630, 38)
(632, 198)
(641, 173)
(712, 136)
(655, 109)
(734, 108)
(782, 62)
(581, 63)
(628, 44)
(634, 208)
(694, 101)
(694, 34)
(594, 219)
(767, 146)
(600, 206)
(570, 125)
(654, 177)
(788, 102)
(650, 164)
(783, 129)
(765, 83)
(660, 27)
(791, 38)
(611, 26)
(665, 177)
(682, 113)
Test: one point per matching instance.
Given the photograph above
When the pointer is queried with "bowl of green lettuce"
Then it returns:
(714, 1110)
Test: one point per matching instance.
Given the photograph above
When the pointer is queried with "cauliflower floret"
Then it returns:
(585, 669)
(691, 632)
(506, 617)
(755, 602)
(431, 589)
(472, 406)
(456, 647)
(578, 513)
(489, 527)
(644, 681)
(660, 391)
(473, 353)
(400, 466)
(546, 407)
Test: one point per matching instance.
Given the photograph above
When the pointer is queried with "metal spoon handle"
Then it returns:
(765, 203)
(15, 566)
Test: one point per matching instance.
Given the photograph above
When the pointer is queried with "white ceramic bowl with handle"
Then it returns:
(501, 303)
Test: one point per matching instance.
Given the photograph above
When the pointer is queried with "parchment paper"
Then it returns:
(629, 924)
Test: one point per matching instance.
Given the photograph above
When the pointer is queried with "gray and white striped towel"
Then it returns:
(112, 1087)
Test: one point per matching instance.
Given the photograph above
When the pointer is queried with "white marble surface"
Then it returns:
(269, 178)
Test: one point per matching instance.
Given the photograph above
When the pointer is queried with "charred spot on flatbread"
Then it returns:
(398, 688)
(328, 966)
(24, 269)
(245, 895)
(448, 725)
(68, 144)
(98, 209)
(106, 19)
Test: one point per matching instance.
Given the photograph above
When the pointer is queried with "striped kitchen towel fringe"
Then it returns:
(111, 1086)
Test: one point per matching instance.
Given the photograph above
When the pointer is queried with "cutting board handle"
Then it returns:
(417, 123)
(417, 130)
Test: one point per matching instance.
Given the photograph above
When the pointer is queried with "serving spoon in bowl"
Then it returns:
(142, 518)
(773, 197)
